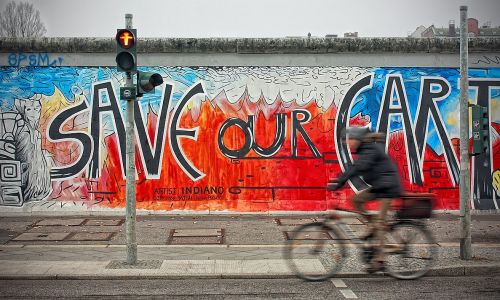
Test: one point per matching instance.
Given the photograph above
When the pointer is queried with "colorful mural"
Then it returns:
(235, 138)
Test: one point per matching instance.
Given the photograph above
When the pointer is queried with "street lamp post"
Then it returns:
(465, 219)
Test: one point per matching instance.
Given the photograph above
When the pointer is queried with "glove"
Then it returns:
(332, 186)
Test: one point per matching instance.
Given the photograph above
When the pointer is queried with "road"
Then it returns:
(361, 288)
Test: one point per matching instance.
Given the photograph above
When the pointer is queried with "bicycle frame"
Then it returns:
(334, 219)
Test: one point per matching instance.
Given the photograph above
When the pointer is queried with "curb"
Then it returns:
(465, 271)
(79, 212)
(456, 271)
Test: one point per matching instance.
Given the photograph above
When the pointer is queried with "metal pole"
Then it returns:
(130, 158)
(465, 220)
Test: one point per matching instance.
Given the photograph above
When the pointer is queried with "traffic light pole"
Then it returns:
(465, 219)
(130, 217)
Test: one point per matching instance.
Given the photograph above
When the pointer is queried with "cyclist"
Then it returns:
(377, 170)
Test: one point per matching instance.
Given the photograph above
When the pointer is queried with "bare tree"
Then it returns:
(21, 20)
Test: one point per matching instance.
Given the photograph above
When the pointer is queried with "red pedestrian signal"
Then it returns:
(126, 52)
(125, 38)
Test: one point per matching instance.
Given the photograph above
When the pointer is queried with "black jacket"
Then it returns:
(377, 169)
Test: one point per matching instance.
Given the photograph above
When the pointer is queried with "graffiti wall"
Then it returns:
(235, 138)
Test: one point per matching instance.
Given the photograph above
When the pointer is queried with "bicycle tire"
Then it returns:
(407, 247)
(315, 252)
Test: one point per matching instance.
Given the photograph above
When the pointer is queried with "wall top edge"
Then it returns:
(253, 45)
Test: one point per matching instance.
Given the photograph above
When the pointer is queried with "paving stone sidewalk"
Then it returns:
(86, 261)
(210, 246)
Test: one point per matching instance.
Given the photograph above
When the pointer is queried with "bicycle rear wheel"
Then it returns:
(410, 250)
(314, 251)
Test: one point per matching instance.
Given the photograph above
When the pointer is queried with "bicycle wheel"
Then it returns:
(314, 251)
(410, 250)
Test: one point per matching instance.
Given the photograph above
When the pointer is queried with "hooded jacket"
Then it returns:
(376, 169)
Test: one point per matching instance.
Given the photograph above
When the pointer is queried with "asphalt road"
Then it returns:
(361, 288)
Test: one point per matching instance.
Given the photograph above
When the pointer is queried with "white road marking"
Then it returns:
(338, 283)
(348, 294)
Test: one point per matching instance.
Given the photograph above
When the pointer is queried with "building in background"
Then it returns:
(452, 30)
(418, 32)
(351, 34)
(487, 31)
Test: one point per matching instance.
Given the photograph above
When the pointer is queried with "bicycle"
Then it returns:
(406, 238)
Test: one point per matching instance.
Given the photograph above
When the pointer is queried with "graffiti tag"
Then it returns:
(34, 60)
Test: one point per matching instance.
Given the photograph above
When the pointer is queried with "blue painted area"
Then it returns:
(368, 102)
(25, 82)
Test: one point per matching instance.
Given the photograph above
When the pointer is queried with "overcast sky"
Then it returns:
(255, 18)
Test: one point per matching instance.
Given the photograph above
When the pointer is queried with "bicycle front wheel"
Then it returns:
(315, 251)
(410, 250)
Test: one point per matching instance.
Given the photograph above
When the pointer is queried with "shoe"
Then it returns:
(367, 236)
(367, 216)
(376, 266)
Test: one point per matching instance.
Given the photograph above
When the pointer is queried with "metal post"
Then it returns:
(465, 220)
(130, 158)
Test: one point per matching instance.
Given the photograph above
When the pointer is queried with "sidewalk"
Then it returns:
(202, 246)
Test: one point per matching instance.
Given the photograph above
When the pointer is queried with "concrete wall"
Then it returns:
(268, 118)
(360, 52)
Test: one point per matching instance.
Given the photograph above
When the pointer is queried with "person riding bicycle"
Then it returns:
(377, 170)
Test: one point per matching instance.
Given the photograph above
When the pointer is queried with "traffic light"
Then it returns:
(480, 130)
(126, 50)
(147, 81)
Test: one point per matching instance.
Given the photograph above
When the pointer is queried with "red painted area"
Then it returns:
(254, 183)
(496, 147)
